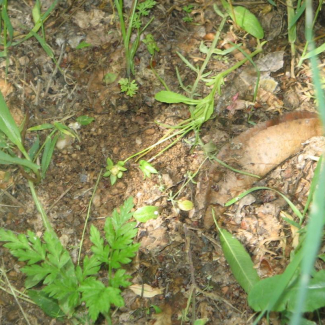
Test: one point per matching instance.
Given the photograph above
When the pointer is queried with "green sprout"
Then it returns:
(114, 171)
(130, 87)
(147, 168)
(151, 44)
(188, 9)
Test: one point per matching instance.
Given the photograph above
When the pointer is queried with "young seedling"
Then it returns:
(66, 287)
(200, 109)
(188, 9)
(137, 12)
(129, 87)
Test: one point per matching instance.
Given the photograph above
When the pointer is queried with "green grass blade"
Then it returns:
(6, 21)
(41, 127)
(312, 243)
(34, 148)
(6, 159)
(313, 185)
(48, 152)
(8, 125)
(239, 260)
(240, 196)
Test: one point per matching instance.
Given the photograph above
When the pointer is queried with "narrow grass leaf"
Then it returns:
(44, 45)
(313, 185)
(34, 148)
(299, 12)
(315, 52)
(8, 125)
(48, 152)
(41, 127)
(6, 159)
(6, 21)
(239, 260)
(312, 243)
(187, 62)
(240, 196)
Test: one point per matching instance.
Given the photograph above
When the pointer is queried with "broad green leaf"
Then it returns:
(263, 291)
(146, 213)
(245, 19)
(261, 294)
(47, 304)
(6, 159)
(109, 77)
(84, 120)
(238, 259)
(185, 205)
(8, 125)
(315, 297)
(82, 45)
(248, 22)
(147, 168)
(173, 98)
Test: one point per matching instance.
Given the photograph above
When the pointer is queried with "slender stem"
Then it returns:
(207, 59)
(88, 214)
(40, 208)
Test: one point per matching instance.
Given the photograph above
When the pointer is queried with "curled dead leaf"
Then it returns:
(145, 290)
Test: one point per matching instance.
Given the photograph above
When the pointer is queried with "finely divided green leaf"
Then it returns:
(120, 279)
(239, 260)
(47, 304)
(99, 298)
(100, 250)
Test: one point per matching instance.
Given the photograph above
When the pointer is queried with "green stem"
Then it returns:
(40, 208)
(207, 59)
(88, 215)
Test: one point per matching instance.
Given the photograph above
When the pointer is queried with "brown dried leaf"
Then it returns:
(146, 291)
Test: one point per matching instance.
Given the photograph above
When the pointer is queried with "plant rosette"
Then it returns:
(114, 171)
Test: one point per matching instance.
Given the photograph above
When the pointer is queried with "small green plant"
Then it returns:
(151, 44)
(8, 37)
(128, 87)
(188, 9)
(66, 286)
(137, 12)
(201, 110)
(279, 293)
(114, 171)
